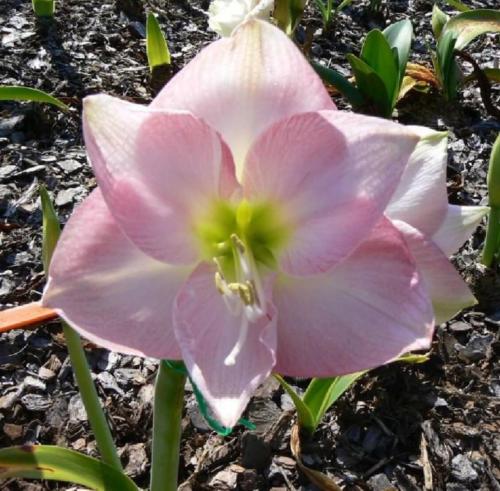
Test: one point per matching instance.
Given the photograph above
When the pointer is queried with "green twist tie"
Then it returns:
(179, 366)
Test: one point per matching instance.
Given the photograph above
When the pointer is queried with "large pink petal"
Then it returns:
(448, 291)
(421, 198)
(108, 290)
(457, 226)
(365, 312)
(332, 174)
(244, 83)
(157, 172)
(207, 333)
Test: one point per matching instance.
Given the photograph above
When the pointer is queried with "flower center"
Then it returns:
(242, 240)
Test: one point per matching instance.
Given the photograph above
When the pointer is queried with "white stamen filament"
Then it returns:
(244, 298)
(230, 359)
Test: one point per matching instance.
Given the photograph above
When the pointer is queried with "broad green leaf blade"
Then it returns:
(44, 8)
(304, 415)
(322, 393)
(467, 26)
(438, 21)
(494, 175)
(399, 36)
(156, 45)
(51, 229)
(371, 85)
(18, 93)
(458, 5)
(60, 464)
(348, 90)
(378, 55)
(446, 65)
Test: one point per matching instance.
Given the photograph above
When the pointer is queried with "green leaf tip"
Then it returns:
(156, 45)
(19, 93)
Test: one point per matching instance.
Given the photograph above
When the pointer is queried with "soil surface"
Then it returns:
(404, 427)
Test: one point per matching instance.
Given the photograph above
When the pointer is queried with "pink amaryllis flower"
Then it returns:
(239, 225)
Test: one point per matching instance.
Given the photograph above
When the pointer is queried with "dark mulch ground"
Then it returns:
(399, 423)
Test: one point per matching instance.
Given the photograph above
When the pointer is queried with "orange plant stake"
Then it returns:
(25, 316)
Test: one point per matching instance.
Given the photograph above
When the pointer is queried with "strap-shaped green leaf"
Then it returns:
(438, 20)
(494, 175)
(467, 26)
(304, 415)
(399, 36)
(378, 55)
(61, 464)
(348, 90)
(44, 8)
(19, 93)
(51, 229)
(323, 392)
(458, 5)
(371, 85)
(156, 45)
(446, 65)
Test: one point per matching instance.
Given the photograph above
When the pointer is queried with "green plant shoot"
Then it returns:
(44, 8)
(492, 242)
(156, 44)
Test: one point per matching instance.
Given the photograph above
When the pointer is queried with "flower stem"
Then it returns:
(90, 398)
(492, 237)
(168, 404)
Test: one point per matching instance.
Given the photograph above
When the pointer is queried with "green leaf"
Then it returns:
(446, 66)
(439, 19)
(348, 90)
(18, 93)
(494, 175)
(288, 14)
(399, 36)
(51, 228)
(371, 85)
(44, 8)
(378, 55)
(342, 5)
(156, 45)
(467, 26)
(60, 464)
(304, 415)
(458, 5)
(322, 393)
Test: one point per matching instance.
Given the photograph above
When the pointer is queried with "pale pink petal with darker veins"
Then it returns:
(332, 175)
(110, 291)
(207, 333)
(449, 292)
(158, 171)
(243, 84)
(365, 312)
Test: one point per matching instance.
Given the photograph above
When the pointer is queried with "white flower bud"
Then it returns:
(225, 15)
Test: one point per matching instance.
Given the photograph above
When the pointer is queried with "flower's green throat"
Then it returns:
(242, 240)
(259, 228)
